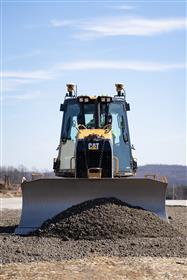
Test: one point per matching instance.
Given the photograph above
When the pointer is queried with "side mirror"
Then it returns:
(127, 106)
(62, 107)
(132, 147)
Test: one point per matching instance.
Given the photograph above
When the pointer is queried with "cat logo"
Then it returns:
(93, 146)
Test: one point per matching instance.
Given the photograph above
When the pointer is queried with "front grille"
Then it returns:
(93, 158)
(86, 158)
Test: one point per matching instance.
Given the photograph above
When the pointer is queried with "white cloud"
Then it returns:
(31, 95)
(51, 23)
(60, 23)
(24, 55)
(119, 65)
(94, 28)
(124, 7)
(35, 74)
(14, 84)
(13, 80)
(115, 26)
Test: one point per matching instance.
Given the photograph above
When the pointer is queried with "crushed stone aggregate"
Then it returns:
(105, 218)
(20, 249)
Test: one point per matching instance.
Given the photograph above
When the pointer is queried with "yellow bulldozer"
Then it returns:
(94, 160)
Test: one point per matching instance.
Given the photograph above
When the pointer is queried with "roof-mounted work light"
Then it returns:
(83, 99)
(71, 92)
(104, 99)
(120, 89)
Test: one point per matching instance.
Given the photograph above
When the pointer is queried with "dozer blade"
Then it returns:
(44, 198)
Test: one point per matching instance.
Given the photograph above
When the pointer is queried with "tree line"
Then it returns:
(14, 175)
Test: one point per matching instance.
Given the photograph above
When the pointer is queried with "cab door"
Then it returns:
(121, 138)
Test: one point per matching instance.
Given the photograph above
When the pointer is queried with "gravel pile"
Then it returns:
(31, 248)
(105, 218)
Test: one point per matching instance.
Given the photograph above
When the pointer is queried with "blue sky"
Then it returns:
(45, 45)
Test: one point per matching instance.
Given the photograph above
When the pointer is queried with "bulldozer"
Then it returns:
(94, 160)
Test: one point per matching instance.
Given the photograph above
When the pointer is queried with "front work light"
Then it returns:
(83, 99)
(104, 99)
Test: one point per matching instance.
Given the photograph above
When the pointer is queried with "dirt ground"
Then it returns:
(10, 193)
(130, 258)
(99, 268)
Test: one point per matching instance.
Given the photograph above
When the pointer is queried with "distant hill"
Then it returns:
(176, 174)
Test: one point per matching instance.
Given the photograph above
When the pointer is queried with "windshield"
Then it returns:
(93, 115)
(89, 115)
(104, 114)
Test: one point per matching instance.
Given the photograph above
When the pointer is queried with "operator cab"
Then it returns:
(92, 115)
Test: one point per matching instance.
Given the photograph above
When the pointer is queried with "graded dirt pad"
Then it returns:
(105, 218)
(99, 268)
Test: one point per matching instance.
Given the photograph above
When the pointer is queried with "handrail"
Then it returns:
(71, 165)
(117, 164)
